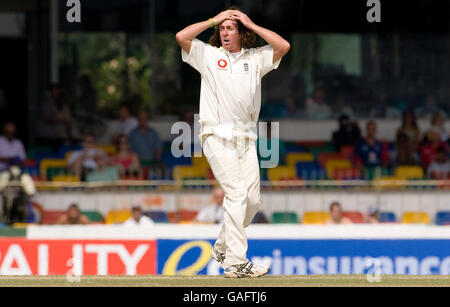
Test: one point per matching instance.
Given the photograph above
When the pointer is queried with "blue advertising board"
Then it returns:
(311, 257)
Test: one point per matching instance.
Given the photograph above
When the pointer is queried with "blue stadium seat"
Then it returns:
(310, 171)
(66, 148)
(387, 217)
(443, 218)
(170, 161)
(158, 216)
(293, 147)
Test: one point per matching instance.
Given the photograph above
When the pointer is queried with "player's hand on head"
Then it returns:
(222, 16)
(243, 18)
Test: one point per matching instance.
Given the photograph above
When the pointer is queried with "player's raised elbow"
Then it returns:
(285, 48)
(179, 37)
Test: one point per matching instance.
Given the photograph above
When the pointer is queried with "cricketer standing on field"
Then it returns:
(230, 101)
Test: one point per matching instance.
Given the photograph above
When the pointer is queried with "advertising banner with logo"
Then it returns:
(305, 257)
(77, 257)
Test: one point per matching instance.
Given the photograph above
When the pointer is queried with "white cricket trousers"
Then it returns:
(236, 168)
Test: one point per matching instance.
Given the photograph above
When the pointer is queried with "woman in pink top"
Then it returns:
(125, 160)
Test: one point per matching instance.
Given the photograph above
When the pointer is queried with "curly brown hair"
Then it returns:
(248, 37)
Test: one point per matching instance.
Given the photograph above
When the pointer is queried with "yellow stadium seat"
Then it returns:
(294, 157)
(51, 163)
(281, 173)
(333, 164)
(315, 217)
(66, 178)
(109, 149)
(415, 218)
(409, 172)
(117, 216)
(180, 172)
(200, 162)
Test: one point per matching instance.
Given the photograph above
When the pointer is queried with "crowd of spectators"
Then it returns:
(412, 147)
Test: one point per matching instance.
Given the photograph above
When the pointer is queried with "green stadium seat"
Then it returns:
(94, 216)
(284, 218)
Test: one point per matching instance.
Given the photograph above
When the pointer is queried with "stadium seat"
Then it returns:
(117, 216)
(294, 147)
(65, 178)
(51, 217)
(182, 216)
(409, 172)
(346, 173)
(94, 216)
(387, 217)
(200, 162)
(323, 158)
(442, 218)
(284, 218)
(282, 173)
(310, 171)
(46, 164)
(158, 216)
(294, 157)
(415, 218)
(354, 216)
(371, 173)
(181, 172)
(315, 217)
(260, 218)
(332, 164)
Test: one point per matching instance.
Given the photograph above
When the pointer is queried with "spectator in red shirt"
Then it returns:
(428, 151)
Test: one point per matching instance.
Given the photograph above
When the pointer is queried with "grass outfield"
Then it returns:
(219, 281)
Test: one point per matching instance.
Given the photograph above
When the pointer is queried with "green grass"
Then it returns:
(219, 281)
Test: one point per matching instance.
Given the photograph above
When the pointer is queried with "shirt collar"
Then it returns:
(243, 51)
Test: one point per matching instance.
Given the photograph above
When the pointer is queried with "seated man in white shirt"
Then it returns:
(213, 214)
(11, 149)
(138, 218)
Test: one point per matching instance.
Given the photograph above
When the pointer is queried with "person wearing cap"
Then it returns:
(138, 218)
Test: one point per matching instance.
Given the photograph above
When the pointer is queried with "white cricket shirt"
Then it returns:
(230, 93)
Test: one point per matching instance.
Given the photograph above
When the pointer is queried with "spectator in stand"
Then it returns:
(316, 107)
(82, 161)
(371, 216)
(56, 126)
(336, 215)
(292, 111)
(145, 141)
(138, 218)
(126, 161)
(12, 150)
(428, 151)
(212, 214)
(382, 108)
(440, 167)
(438, 123)
(341, 107)
(404, 153)
(348, 133)
(369, 151)
(410, 128)
(127, 123)
(103, 172)
(430, 108)
(73, 216)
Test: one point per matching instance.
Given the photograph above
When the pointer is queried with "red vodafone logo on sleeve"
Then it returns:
(222, 64)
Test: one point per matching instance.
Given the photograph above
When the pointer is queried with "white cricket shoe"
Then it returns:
(246, 270)
(218, 256)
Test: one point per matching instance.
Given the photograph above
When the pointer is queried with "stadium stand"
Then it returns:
(387, 217)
